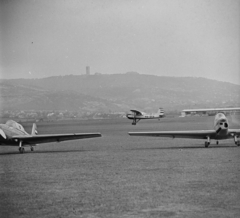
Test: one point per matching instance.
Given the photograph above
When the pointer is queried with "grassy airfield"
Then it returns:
(122, 176)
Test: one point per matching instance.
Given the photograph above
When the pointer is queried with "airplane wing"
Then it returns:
(233, 132)
(196, 134)
(137, 112)
(38, 139)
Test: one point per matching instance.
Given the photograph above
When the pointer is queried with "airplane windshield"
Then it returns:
(14, 125)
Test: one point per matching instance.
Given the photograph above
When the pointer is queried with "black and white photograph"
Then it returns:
(119, 108)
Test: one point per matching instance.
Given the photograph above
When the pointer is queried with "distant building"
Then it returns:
(209, 111)
(87, 70)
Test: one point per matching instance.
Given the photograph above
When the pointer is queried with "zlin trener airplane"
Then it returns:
(13, 134)
(138, 115)
(220, 132)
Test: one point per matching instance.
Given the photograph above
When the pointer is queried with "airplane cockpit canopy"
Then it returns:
(14, 124)
(222, 112)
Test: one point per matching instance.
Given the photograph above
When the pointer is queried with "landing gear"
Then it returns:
(21, 150)
(207, 143)
(237, 142)
(135, 121)
(217, 142)
(31, 148)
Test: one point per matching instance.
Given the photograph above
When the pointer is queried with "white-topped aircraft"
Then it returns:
(13, 134)
(136, 115)
(220, 132)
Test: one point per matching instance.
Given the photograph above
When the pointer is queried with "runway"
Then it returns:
(122, 176)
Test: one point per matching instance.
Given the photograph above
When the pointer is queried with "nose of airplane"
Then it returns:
(129, 116)
(223, 124)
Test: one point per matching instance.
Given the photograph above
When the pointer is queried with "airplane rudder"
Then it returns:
(160, 110)
(34, 129)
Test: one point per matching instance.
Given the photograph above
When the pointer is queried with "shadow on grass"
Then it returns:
(44, 152)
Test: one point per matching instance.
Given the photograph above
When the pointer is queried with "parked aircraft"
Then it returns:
(13, 134)
(221, 131)
(136, 115)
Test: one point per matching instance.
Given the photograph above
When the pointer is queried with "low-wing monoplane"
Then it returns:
(13, 134)
(220, 132)
(136, 115)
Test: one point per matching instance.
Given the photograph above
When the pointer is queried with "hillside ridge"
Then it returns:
(116, 92)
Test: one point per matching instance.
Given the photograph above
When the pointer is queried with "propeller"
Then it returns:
(3, 134)
(219, 129)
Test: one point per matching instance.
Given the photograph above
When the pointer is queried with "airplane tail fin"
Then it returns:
(161, 111)
(34, 129)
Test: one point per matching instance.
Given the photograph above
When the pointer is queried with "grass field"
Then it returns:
(122, 176)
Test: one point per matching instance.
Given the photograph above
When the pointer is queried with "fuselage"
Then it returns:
(10, 129)
(221, 126)
(144, 116)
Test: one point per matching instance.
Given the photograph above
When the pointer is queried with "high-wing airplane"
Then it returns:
(221, 131)
(13, 134)
(136, 115)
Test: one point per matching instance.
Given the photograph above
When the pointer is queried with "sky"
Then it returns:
(43, 38)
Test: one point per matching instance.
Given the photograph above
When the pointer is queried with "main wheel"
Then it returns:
(21, 150)
(31, 148)
(206, 144)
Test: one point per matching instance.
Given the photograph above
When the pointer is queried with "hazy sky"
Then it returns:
(162, 37)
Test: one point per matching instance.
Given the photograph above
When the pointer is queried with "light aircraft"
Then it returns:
(13, 134)
(221, 131)
(136, 115)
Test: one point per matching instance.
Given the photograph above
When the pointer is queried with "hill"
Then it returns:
(116, 92)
